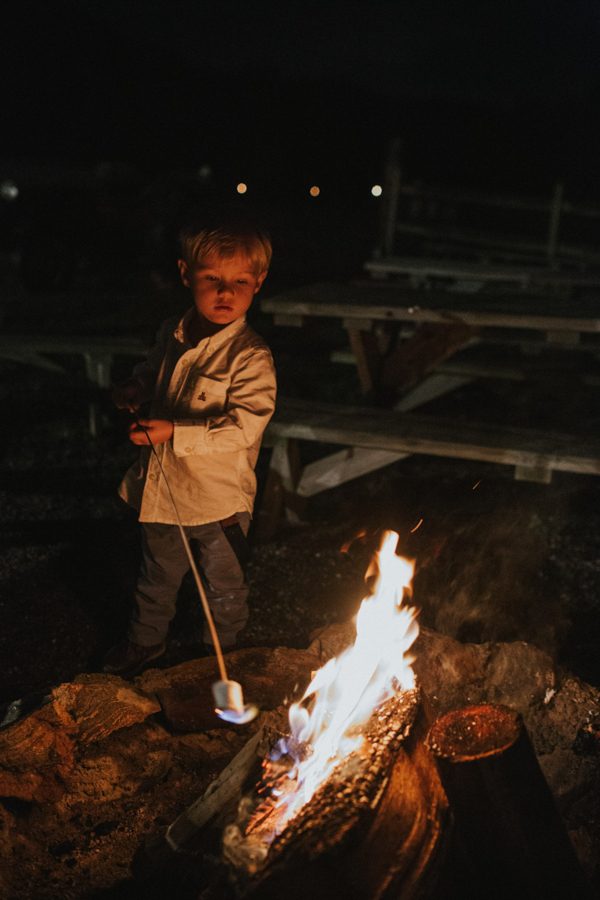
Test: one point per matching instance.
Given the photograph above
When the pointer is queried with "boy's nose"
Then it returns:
(224, 287)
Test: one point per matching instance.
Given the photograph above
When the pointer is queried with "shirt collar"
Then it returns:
(217, 339)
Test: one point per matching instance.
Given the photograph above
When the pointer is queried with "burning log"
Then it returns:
(508, 830)
(348, 794)
(374, 829)
(377, 829)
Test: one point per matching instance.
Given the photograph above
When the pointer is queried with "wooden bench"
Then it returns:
(460, 371)
(398, 336)
(373, 438)
(97, 352)
(44, 351)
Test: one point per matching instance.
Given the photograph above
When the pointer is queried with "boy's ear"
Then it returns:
(260, 280)
(184, 272)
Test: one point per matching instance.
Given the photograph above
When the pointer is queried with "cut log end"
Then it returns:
(509, 834)
(474, 733)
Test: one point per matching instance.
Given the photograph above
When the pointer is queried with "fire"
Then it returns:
(325, 726)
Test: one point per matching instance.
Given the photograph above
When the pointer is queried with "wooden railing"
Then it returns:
(544, 245)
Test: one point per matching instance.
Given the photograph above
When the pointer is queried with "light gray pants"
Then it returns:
(219, 550)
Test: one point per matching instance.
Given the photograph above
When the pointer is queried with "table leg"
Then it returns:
(365, 347)
(280, 493)
(408, 363)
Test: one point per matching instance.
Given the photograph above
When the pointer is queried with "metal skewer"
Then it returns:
(227, 694)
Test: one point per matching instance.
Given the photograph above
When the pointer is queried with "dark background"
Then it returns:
(284, 95)
(120, 116)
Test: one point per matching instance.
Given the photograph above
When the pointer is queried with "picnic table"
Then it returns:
(47, 352)
(43, 351)
(410, 346)
(474, 276)
(398, 334)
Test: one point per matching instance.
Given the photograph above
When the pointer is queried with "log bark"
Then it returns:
(508, 831)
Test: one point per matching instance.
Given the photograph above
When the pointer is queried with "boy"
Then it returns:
(211, 383)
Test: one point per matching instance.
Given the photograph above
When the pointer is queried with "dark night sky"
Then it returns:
(502, 92)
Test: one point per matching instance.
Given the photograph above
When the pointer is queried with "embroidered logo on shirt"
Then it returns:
(202, 396)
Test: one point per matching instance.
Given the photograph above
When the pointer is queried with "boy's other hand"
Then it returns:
(159, 430)
(128, 395)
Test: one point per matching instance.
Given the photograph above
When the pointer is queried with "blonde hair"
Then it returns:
(226, 240)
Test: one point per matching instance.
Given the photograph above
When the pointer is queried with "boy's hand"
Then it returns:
(128, 395)
(159, 430)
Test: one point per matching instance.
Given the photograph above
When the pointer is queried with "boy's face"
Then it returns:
(222, 288)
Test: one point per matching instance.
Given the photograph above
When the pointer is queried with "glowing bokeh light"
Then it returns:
(9, 190)
(241, 188)
(377, 190)
(315, 190)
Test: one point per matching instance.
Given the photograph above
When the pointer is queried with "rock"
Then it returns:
(572, 777)
(269, 677)
(449, 673)
(38, 752)
(519, 675)
(101, 704)
(452, 674)
(122, 765)
(566, 714)
(194, 750)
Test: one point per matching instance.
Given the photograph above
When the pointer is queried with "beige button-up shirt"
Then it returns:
(220, 395)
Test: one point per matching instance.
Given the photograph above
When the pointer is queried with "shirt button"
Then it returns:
(188, 449)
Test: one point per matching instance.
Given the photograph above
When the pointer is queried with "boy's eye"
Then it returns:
(242, 281)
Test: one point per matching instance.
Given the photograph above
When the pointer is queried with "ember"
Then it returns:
(327, 727)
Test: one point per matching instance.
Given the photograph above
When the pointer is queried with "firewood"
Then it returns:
(508, 829)
(374, 830)
(159, 850)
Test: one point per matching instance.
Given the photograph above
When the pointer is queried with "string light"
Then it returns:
(314, 190)
(9, 190)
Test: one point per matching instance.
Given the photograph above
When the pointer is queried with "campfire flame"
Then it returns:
(325, 726)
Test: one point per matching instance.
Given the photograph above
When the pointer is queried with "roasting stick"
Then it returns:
(227, 694)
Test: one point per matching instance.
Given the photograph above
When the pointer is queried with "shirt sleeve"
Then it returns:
(250, 405)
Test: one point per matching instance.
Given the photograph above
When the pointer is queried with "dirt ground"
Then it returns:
(496, 559)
